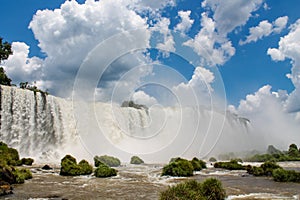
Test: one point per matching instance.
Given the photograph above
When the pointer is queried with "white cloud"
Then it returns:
(198, 90)
(20, 67)
(268, 119)
(215, 49)
(264, 29)
(289, 47)
(280, 24)
(162, 26)
(230, 14)
(141, 97)
(67, 34)
(186, 22)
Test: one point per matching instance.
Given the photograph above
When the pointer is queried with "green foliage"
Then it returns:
(69, 167)
(27, 161)
(281, 175)
(213, 190)
(231, 165)
(178, 167)
(4, 80)
(108, 160)
(5, 50)
(198, 164)
(9, 156)
(86, 168)
(21, 175)
(276, 155)
(212, 159)
(103, 171)
(210, 189)
(136, 160)
(266, 169)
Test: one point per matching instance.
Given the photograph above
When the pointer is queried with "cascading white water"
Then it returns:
(44, 127)
(36, 124)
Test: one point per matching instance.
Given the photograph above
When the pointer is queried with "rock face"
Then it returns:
(46, 167)
(5, 188)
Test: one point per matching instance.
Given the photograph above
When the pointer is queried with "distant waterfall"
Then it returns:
(44, 127)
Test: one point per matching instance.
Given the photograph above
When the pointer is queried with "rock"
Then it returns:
(7, 175)
(46, 167)
(5, 188)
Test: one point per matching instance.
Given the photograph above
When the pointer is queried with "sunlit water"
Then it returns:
(145, 182)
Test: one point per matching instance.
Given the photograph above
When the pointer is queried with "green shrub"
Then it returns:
(136, 160)
(231, 165)
(210, 189)
(108, 160)
(86, 168)
(27, 161)
(9, 156)
(266, 169)
(21, 175)
(198, 164)
(179, 167)
(69, 167)
(281, 175)
(103, 171)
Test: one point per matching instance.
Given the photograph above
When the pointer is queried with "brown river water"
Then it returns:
(144, 182)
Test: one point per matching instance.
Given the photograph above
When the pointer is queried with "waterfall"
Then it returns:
(45, 127)
(36, 124)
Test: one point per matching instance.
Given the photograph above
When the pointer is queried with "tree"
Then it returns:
(5, 51)
(293, 150)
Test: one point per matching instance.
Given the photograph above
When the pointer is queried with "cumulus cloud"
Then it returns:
(230, 14)
(215, 49)
(20, 67)
(162, 26)
(266, 111)
(289, 48)
(141, 97)
(264, 29)
(186, 22)
(198, 90)
(67, 34)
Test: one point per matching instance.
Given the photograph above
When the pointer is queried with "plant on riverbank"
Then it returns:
(198, 164)
(9, 156)
(27, 161)
(266, 169)
(108, 160)
(231, 165)
(210, 189)
(178, 167)
(275, 155)
(69, 167)
(136, 160)
(281, 175)
(104, 171)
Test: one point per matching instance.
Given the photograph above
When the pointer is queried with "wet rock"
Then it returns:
(5, 188)
(7, 175)
(46, 167)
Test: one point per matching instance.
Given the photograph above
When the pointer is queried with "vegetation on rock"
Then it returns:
(69, 167)
(136, 160)
(178, 167)
(198, 164)
(281, 175)
(231, 165)
(276, 155)
(212, 159)
(104, 171)
(9, 156)
(27, 161)
(108, 160)
(210, 189)
(266, 169)
(133, 105)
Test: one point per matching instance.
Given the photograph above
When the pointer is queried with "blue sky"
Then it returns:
(245, 72)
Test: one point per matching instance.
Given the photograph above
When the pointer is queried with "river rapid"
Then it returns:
(144, 182)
